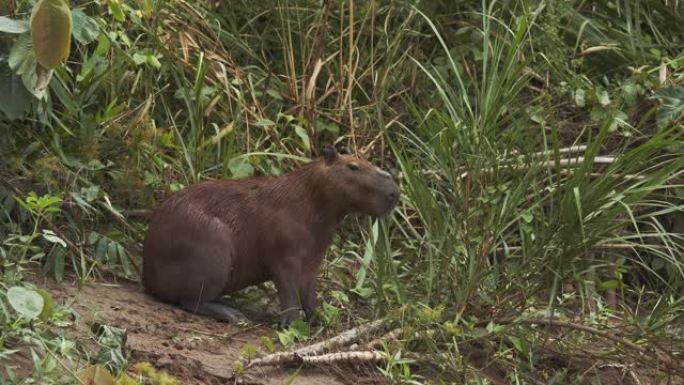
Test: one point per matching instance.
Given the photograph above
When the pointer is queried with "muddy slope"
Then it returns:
(195, 349)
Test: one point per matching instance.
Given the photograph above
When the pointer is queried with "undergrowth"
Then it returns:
(539, 238)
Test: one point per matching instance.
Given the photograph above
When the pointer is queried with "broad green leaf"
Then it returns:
(26, 302)
(240, 168)
(51, 32)
(20, 53)
(579, 98)
(611, 284)
(304, 136)
(330, 313)
(101, 249)
(322, 125)
(265, 122)
(112, 256)
(48, 305)
(95, 375)
(153, 61)
(8, 25)
(123, 257)
(90, 193)
(85, 28)
(286, 338)
(176, 187)
(297, 331)
(51, 237)
(300, 329)
(629, 91)
(22, 60)
(15, 99)
(603, 98)
(518, 343)
(139, 58)
(59, 263)
(147, 7)
(116, 10)
(110, 336)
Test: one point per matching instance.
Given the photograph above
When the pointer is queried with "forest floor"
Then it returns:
(194, 349)
(199, 350)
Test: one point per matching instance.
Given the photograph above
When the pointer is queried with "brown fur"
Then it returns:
(217, 237)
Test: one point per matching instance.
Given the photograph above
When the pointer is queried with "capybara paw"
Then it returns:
(217, 311)
(289, 316)
(232, 315)
(312, 318)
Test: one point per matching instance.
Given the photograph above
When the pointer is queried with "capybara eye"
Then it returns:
(353, 167)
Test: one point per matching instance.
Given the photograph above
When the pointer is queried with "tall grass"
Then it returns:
(505, 222)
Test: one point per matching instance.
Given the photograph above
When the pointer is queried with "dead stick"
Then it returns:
(564, 162)
(294, 358)
(342, 339)
(392, 335)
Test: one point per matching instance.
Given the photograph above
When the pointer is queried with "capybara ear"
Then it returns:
(330, 155)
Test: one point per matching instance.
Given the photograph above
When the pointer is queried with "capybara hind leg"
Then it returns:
(215, 310)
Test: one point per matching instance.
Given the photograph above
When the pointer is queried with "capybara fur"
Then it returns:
(217, 237)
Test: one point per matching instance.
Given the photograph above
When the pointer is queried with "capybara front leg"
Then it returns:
(307, 294)
(215, 310)
(288, 294)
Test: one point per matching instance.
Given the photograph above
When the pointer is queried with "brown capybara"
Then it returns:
(218, 237)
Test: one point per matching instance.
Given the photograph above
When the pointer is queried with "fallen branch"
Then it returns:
(312, 353)
(329, 358)
(603, 246)
(563, 163)
(658, 354)
(393, 335)
(377, 343)
(564, 150)
(342, 339)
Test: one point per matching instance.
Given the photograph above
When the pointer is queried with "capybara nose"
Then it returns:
(393, 195)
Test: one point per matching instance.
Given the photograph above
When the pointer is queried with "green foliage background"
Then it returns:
(539, 145)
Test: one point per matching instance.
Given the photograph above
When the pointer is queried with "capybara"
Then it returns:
(217, 237)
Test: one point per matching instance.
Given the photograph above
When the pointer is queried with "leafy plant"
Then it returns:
(28, 303)
(298, 331)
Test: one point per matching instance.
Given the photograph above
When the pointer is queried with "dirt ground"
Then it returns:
(199, 350)
(195, 349)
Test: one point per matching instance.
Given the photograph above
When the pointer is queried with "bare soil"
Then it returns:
(194, 349)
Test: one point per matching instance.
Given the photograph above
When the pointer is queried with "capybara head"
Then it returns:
(358, 185)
